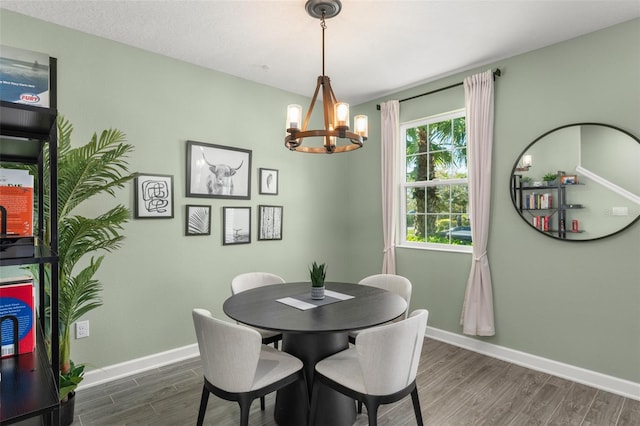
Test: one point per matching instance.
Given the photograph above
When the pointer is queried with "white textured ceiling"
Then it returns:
(373, 48)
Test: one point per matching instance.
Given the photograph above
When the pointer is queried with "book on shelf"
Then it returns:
(542, 223)
(16, 202)
(537, 201)
(17, 310)
(18, 279)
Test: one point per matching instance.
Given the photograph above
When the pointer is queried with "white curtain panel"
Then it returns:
(390, 113)
(477, 311)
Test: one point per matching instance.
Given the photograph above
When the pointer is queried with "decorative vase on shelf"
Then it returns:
(317, 274)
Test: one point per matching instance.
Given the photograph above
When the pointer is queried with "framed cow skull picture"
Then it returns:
(216, 171)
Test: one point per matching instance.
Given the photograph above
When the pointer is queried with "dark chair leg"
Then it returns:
(359, 407)
(416, 406)
(245, 407)
(275, 344)
(262, 403)
(203, 405)
(372, 412)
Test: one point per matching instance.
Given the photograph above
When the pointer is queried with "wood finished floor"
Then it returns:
(456, 387)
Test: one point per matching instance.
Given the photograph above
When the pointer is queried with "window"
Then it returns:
(434, 197)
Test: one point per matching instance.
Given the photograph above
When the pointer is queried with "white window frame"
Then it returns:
(403, 185)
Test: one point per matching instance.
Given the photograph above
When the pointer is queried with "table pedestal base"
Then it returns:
(334, 409)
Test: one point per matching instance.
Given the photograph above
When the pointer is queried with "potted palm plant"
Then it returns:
(96, 168)
(318, 274)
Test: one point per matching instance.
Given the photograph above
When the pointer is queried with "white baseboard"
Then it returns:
(607, 383)
(597, 380)
(135, 366)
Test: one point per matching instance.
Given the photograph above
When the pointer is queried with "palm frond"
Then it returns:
(80, 235)
(80, 294)
(100, 166)
(199, 221)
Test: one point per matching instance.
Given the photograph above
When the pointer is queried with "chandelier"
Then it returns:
(336, 135)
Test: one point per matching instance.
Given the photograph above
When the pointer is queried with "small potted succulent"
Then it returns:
(317, 273)
(526, 181)
(550, 178)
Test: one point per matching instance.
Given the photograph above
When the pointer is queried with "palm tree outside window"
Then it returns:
(434, 183)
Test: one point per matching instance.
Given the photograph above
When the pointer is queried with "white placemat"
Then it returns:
(304, 302)
(296, 303)
(337, 295)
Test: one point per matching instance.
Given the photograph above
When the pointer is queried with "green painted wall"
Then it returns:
(159, 275)
(575, 303)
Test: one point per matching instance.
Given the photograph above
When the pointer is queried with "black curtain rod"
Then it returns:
(496, 73)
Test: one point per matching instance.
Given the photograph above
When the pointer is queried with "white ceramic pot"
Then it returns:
(317, 293)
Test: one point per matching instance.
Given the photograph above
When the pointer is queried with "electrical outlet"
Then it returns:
(82, 329)
(619, 211)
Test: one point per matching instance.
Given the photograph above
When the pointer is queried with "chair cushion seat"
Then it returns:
(354, 333)
(343, 368)
(266, 333)
(274, 365)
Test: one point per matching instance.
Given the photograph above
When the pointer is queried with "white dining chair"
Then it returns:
(394, 283)
(238, 367)
(250, 280)
(380, 369)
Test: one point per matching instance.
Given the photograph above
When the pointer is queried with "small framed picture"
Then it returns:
(270, 223)
(568, 179)
(153, 196)
(216, 171)
(198, 220)
(236, 225)
(268, 181)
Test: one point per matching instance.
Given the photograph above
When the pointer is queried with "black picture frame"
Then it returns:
(217, 171)
(269, 222)
(197, 220)
(268, 181)
(153, 196)
(236, 225)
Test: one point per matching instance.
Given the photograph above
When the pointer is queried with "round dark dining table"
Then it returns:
(312, 335)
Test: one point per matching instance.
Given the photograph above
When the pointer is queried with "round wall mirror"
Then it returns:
(579, 182)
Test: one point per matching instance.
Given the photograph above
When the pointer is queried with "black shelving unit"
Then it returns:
(519, 192)
(30, 382)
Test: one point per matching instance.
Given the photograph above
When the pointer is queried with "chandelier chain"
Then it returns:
(323, 25)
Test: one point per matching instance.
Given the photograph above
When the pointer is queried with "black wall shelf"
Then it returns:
(557, 215)
(30, 381)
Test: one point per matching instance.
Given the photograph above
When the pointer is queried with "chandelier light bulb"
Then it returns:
(361, 124)
(342, 115)
(332, 139)
(294, 115)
